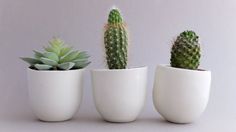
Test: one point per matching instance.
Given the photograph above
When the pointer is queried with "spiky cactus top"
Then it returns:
(185, 52)
(116, 41)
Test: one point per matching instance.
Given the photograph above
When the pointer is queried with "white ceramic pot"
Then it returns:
(119, 95)
(181, 95)
(55, 95)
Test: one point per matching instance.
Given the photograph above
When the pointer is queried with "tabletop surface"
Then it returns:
(87, 121)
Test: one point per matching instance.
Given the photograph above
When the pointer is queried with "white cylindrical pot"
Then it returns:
(119, 95)
(55, 95)
(181, 95)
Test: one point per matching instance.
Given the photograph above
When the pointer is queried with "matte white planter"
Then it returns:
(181, 95)
(119, 95)
(55, 95)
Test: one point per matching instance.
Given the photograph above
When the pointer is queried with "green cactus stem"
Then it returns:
(185, 52)
(116, 41)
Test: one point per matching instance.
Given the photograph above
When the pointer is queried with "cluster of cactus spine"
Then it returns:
(185, 52)
(116, 41)
(58, 56)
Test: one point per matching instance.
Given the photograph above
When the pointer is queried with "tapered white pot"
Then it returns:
(119, 95)
(55, 95)
(181, 95)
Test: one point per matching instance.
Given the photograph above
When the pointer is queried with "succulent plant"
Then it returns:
(185, 52)
(116, 41)
(58, 56)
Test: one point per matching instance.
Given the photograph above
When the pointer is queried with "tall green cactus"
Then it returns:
(185, 52)
(116, 41)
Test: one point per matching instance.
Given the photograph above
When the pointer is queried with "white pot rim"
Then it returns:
(119, 70)
(167, 66)
(55, 71)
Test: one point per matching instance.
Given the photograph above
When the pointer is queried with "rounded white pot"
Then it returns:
(55, 95)
(119, 95)
(181, 95)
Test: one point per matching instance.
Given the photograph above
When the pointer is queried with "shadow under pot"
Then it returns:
(55, 95)
(119, 94)
(181, 95)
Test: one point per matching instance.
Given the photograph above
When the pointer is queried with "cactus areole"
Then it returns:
(185, 52)
(116, 41)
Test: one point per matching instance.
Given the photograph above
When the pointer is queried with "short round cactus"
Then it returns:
(185, 52)
(116, 41)
(58, 56)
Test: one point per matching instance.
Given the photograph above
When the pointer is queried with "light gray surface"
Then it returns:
(153, 24)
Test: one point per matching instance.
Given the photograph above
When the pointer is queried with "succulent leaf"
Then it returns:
(66, 66)
(42, 67)
(54, 50)
(83, 55)
(51, 56)
(80, 60)
(37, 54)
(55, 46)
(69, 57)
(82, 64)
(31, 61)
(56, 43)
(48, 61)
(65, 50)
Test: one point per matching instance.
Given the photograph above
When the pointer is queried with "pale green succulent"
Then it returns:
(58, 56)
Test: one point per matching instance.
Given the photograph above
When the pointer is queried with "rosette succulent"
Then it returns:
(185, 52)
(58, 56)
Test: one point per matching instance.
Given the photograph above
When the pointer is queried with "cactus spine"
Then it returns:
(116, 41)
(185, 52)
